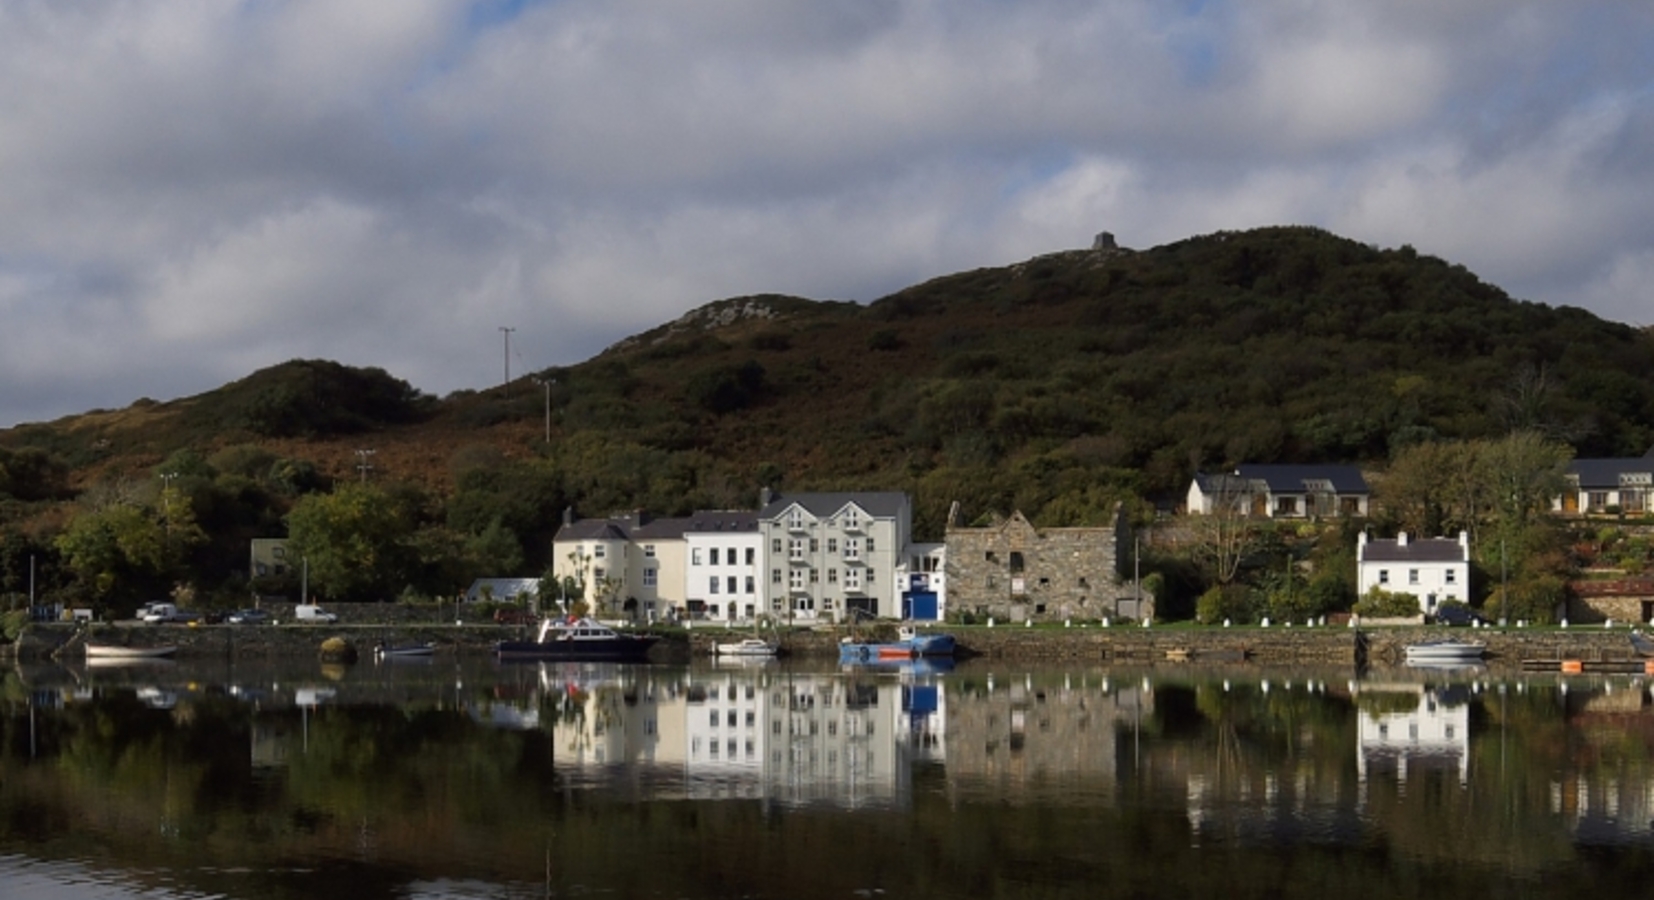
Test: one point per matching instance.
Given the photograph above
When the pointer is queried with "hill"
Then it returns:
(1055, 386)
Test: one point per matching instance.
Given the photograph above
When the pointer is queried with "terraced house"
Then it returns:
(831, 557)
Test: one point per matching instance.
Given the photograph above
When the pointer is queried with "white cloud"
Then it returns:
(194, 189)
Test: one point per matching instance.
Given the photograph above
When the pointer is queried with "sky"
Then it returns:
(194, 190)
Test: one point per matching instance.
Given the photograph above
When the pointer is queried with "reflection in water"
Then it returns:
(469, 778)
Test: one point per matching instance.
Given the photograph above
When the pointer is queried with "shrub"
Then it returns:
(1381, 604)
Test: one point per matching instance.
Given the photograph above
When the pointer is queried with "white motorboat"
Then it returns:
(1446, 650)
(746, 647)
(121, 651)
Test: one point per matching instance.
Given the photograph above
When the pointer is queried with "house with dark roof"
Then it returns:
(834, 556)
(1286, 491)
(1434, 570)
(704, 565)
(1598, 487)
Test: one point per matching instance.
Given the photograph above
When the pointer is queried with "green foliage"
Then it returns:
(31, 473)
(308, 398)
(1382, 604)
(355, 540)
(1232, 602)
(725, 390)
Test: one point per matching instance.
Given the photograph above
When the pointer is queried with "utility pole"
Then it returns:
(547, 383)
(507, 332)
(362, 463)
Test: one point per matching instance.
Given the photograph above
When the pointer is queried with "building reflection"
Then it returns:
(1422, 727)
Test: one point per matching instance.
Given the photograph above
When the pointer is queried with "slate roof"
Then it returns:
(1416, 550)
(595, 530)
(879, 504)
(1290, 478)
(1605, 473)
(503, 588)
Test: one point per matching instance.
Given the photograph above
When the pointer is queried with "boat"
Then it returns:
(910, 643)
(1446, 650)
(121, 651)
(746, 647)
(580, 640)
(402, 651)
(1642, 644)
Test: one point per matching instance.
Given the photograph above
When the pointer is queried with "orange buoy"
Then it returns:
(1572, 666)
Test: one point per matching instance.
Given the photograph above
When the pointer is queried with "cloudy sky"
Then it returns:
(192, 190)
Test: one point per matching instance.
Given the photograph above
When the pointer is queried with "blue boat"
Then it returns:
(909, 644)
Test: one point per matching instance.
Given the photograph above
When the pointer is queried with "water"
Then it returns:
(464, 778)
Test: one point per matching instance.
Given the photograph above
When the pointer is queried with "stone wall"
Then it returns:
(1013, 571)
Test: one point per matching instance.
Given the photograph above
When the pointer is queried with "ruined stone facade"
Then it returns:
(1012, 572)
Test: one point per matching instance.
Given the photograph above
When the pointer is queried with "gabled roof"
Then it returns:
(1291, 478)
(1605, 473)
(878, 504)
(503, 588)
(1416, 550)
(595, 530)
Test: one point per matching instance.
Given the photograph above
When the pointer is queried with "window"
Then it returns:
(851, 520)
(695, 556)
(1286, 506)
(749, 556)
(712, 585)
(832, 576)
(649, 551)
(795, 579)
(852, 579)
(775, 545)
(832, 545)
(599, 551)
(870, 574)
(815, 545)
(795, 548)
(1412, 576)
(729, 584)
(729, 555)
(712, 557)
(852, 548)
(749, 584)
(1452, 577)
(1016, 561)
(815, 577)
(870, 545)
(1383, 576)
(278, 552)
(1596, 501)
(599, 572)
(795, 518)
(648, 577)
(775, 576)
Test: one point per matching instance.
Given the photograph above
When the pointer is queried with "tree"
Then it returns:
(354, 541)
(1225, 536)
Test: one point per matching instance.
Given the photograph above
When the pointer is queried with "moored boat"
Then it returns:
(579, 639)
(1445, 651)
(398, 651)
(746, 647)
(910, 643)
(121, 651)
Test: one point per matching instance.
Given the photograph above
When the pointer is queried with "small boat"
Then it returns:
(1642, 644)
(746, 647)
(910, 643)
(121, 651)
(399, 651)
(580, 640)
(1446, 650)
(927, 643)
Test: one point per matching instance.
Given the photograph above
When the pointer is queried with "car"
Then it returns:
(248, 617)
(1458, 614)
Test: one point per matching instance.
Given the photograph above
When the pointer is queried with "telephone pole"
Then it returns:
(507, 332)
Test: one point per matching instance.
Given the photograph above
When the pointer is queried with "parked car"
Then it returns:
(248, 617)
(1458, 614)
(309, 612)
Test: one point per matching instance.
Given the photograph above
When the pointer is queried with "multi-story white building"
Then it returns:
(833, 556)
(725, 559)
(1432, 569)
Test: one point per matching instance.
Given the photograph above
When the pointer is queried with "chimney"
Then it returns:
(643, 517)
(764, 497)
(1401, 539)
(568, 515)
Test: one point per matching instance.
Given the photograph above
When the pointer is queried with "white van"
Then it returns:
(310, 612)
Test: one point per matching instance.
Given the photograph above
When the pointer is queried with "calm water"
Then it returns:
(450, 779)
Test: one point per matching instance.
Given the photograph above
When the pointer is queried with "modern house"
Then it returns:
(833, 556)
(1013, 571)
(1599, 487)
(1282, 491)
(1433, 570)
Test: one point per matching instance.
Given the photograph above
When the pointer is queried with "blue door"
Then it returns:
(920, 605)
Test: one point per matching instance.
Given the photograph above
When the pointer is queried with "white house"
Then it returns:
(1432, 569)
(725, 560)
(1609, 486)
(1282, 491)
(831, 556)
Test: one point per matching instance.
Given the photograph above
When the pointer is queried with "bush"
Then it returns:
(1379, 604)
(1233, 602)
